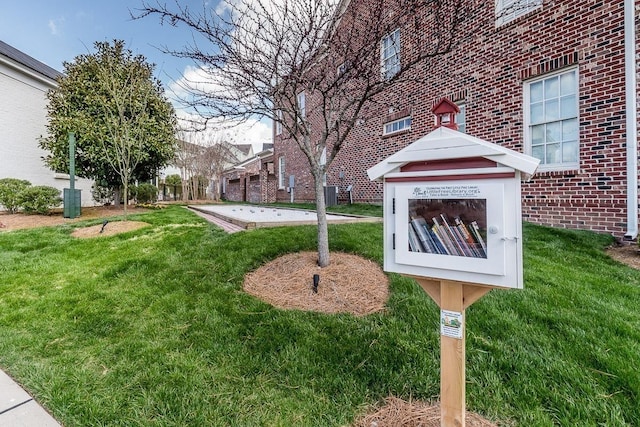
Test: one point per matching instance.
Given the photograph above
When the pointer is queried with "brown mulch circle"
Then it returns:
(9, 222)
(110, 229)
(399, 413)
(350, 284)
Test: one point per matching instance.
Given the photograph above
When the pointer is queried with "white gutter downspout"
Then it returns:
(631, 123)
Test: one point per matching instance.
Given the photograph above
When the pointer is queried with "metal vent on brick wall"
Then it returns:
(331, 195)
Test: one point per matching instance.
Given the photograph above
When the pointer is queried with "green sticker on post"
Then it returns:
(451, 324)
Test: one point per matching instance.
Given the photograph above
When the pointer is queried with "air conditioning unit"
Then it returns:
(331, 195)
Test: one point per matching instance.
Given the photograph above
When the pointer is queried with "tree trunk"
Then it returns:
(126, 198)
(116, 197)
(323, 232)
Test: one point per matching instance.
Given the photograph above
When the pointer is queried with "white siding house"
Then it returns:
(24, 83)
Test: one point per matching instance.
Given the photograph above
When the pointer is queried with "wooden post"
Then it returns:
(452, 298)
(452, 359)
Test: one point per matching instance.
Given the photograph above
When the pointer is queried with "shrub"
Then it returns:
(102, 194)
(10, 190)
(40, 199)
(146, 193)
(173, 184)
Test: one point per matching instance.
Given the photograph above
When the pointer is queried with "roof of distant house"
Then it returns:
(244, 148)
(29, 62)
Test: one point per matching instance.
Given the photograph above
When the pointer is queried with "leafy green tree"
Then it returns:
(174, 182)
(124, 124)
(10, 190)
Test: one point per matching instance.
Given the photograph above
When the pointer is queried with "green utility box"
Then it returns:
(72, 202)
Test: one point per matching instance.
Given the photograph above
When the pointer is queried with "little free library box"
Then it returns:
(452, 209)
(453, 221)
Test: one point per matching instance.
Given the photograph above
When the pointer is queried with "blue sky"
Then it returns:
(54, 31)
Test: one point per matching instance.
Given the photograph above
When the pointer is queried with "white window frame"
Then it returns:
(528, 125)
(281, 172)
(390, 54)
(404, 124)
(461, 117)
(508, 10)
(302, 104)
(278, 122)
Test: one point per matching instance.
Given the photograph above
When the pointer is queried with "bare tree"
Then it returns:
(202, 157)
(216, 158)
(184, 160)
(258, 56)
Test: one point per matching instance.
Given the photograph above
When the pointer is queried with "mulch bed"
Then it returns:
(350, 284)
(110, 229)
(400, 413)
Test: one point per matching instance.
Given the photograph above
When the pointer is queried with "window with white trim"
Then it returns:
(278, 122)
(302, 104)
(390, 55)
(397, 126)
(281, 172)
(461, 118)
(508, 10)
(551, 120)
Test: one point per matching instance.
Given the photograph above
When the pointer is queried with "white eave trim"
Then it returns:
(28, 72)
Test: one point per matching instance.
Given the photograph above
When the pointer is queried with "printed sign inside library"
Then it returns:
(448, 220)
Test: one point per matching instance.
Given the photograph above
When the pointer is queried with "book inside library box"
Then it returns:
(454, 227)
(451, 226)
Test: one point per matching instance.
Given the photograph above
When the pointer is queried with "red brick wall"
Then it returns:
(256, 183)
(234, 189)
(487, 72)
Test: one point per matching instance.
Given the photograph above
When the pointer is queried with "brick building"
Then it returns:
(252, 180)
(553, 79)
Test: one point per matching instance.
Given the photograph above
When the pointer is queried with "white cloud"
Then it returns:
(56, 25)
(53, 27)
(252, 131)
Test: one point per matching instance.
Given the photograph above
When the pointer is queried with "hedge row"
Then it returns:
(19, 194)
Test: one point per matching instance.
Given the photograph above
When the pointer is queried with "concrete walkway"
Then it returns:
(18, 409)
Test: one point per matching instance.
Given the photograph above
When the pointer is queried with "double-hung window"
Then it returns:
(461, 118)
(281, 172)
(551, 120)
(390, 55)
(508, 10)
(278, 122)
(397, 126)
(302, 104)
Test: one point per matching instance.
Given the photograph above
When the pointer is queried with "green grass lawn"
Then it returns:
(151, 328)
